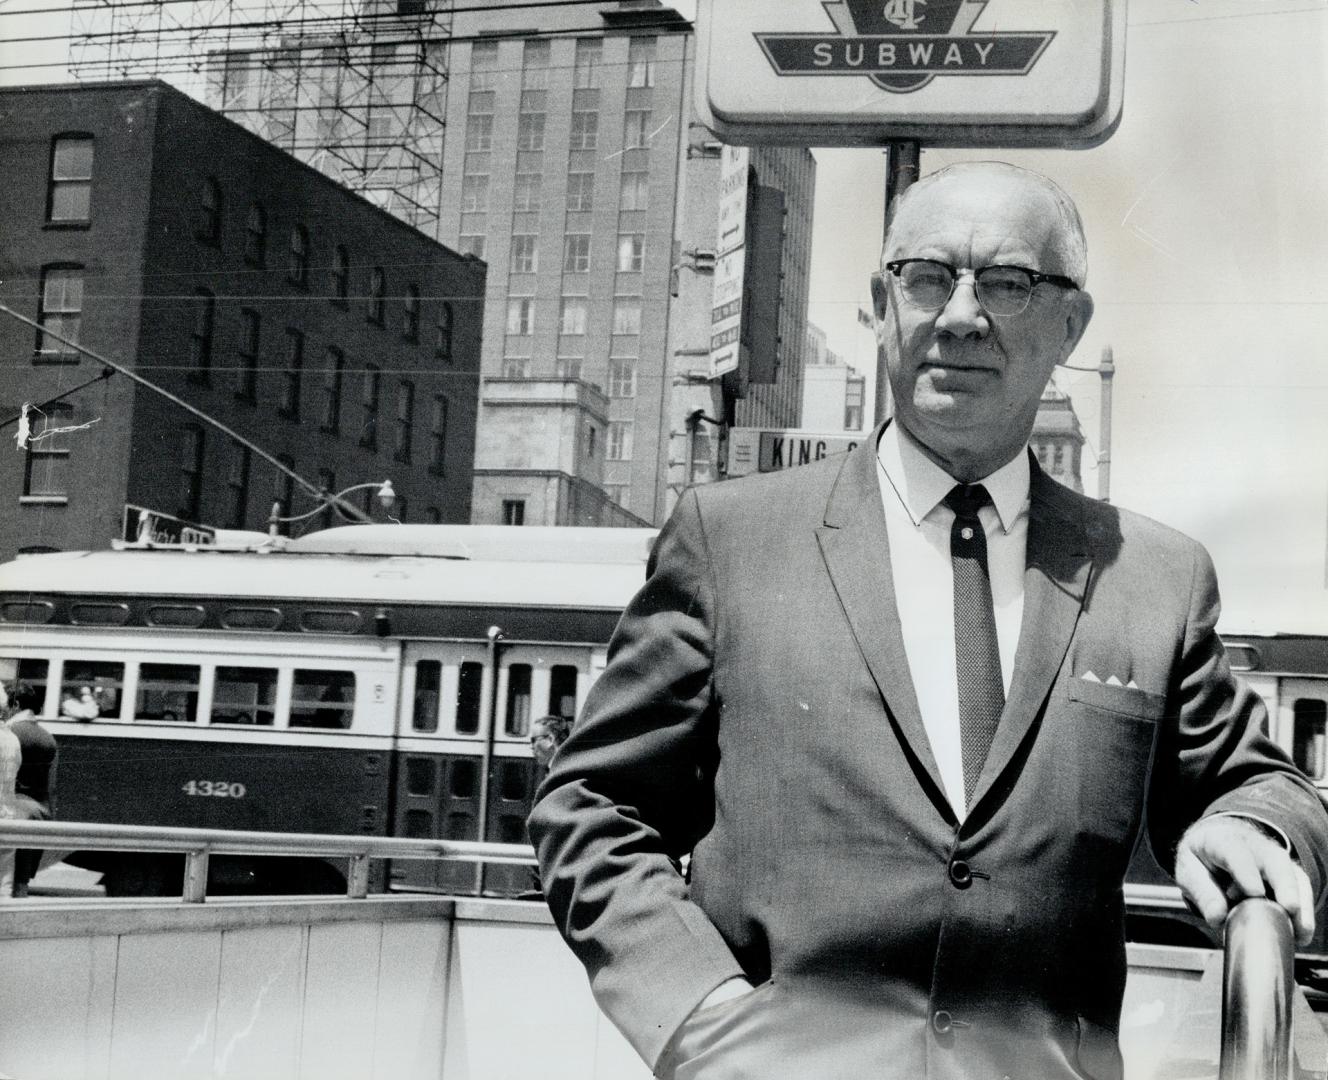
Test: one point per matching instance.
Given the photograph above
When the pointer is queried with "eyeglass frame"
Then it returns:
(1037, 277)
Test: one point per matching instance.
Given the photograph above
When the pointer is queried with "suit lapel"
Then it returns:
(1058, 567)
(856, 550)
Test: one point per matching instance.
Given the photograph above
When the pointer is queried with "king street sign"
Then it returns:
(944, 72)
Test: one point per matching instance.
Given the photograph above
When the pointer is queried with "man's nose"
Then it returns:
(962, 316)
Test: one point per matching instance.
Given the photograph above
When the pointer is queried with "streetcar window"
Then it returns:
(459, 826)
(245, 695)
(419, 825)
(428, 677)
(562, 690)
(29, 673)
(322, 699)
(518, 699)
(420, 775)
(99, 614)
(180, 615)
(514, 780)
(470, 680)
(91, 688)
(1310, 737)
(167, 692)
(27, 612)
(461, 780)
(512, 829)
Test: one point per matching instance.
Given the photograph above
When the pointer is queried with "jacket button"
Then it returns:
(942, 1022)
(960, 874)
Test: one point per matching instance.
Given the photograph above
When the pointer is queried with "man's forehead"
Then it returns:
(1004, 213)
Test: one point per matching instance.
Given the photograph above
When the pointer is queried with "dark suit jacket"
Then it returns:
(757, 710)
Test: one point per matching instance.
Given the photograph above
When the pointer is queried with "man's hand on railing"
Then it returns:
(1226, 858)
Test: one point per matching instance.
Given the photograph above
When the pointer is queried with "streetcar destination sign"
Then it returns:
(944, 72)
(756, 450)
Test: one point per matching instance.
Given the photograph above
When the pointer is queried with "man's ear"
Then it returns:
(1077, 317)
(879, 295)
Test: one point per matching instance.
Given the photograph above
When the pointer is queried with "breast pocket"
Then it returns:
(1106, 740)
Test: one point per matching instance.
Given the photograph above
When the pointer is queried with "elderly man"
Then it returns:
(905, 709)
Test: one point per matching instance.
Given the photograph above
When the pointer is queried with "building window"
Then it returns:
(410, 315)
(327, 483)
(60, 311)
(246, 379)
(255, 235)
(527, 192)
(525, 258)
(340, 276)
(405, 429)
(289, 403)
(299, 255)
(573, 319)
(191, 473)
(589, 58)
(377, 296)
(622, 378)
(200, 338)
(369, 408)
(854, 392)
(631, 252)
(636, 128)
(585, 129)
(209, 213)
(443, 343)
(530, 131)
(521, 316)
(479, 132)
(237, 484)
(514, 511)
(1058, 457)
(516, 367)
(70, 195)
(591, 434)
(576, 253)
(635, 191)
(471, 244)
(535, 65)
(567, 367)
(480, 103)
(626, 315)
(332, 373)
(619, 494)
(620, 440)
(46, 469)
(475, 193)
(483, 65)
(438, 434)
(580, 190)
(641, 61)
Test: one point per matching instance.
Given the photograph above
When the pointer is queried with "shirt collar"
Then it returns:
(921, 484)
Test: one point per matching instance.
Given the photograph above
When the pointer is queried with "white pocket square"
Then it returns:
(1112, 680)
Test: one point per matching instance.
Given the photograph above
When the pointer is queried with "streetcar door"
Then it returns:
(441, 731)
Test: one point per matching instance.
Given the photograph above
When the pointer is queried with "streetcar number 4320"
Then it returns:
(217, 789)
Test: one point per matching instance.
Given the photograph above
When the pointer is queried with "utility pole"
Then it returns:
(1106, 370)
(902, 166)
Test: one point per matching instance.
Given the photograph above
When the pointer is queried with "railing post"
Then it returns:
(195, 876)
(357, 877)
(1258, 981)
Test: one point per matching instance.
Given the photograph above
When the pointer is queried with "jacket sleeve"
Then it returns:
(1221, 760)
(630, 792)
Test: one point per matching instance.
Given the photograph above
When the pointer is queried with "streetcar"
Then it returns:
(367, 679)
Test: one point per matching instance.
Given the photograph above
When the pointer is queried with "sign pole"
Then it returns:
(902, 166)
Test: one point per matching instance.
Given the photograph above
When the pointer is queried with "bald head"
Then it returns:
(1064, 241)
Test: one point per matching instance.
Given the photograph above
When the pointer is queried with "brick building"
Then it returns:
(155, 232)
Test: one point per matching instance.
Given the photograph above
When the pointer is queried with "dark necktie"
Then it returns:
(977, 656)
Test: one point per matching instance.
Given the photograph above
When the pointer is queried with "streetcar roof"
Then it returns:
(314, 574)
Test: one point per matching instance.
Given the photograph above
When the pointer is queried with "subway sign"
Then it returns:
(943, 72)
(754, 450)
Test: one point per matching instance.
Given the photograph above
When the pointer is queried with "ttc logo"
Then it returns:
(901, 45)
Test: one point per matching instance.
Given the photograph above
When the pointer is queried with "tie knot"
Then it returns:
(967, 499)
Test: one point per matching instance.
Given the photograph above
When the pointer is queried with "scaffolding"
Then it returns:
(357, 90)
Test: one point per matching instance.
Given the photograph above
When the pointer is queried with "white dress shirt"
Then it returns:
(917, 524)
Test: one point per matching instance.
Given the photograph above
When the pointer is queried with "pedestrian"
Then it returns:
(905, 708)
(34, 783)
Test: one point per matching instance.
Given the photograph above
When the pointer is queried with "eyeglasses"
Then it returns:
(1001, 290)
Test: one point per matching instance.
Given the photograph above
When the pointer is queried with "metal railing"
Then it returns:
(1258, 981)
(198, 845)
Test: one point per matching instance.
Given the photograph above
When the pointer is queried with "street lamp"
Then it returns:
(386, 496)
